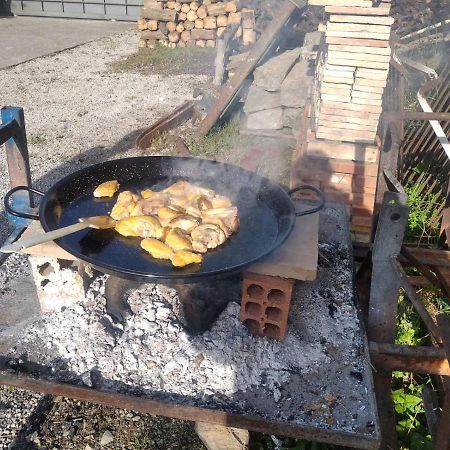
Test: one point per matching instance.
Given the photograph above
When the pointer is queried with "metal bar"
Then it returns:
(409, 358)
(8, 130)
(385, 285)
(431, 405)
(155, 407)
(413, 115)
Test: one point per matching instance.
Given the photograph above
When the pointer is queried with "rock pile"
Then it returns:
(280, 91)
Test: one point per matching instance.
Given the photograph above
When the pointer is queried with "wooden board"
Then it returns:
(359, 63)
(342, 150)
(297, 257)
(360, 49)
(338, 107)
(349, 40)
(358, 56)
(378, 11)
(374, 20)
(360, 3)
(49, 249)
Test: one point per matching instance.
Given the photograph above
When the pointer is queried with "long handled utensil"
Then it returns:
(97, 222)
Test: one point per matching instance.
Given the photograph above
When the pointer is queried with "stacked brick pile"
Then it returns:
(352, 72)
(340, 152)
(186, 23)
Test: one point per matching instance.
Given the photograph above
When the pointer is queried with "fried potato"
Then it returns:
(126, 202)
(183, 258)
(106, 189)
(176, 239)
(156, 248)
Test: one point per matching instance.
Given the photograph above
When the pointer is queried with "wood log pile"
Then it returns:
(187, 23)
(352, 70)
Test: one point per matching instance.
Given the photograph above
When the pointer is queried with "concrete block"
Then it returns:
(265, 305)
(270, 75)
(59, 283)
(259, 99)
(217, 437)
(269, 119)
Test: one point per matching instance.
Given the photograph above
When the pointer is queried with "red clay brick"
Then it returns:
(265, 305)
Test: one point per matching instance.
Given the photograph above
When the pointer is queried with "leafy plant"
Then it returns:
(422, 206)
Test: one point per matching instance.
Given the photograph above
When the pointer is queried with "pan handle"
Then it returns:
(8, 202)
(308, 187)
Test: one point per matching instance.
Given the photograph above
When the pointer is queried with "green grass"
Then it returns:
(168, 61)
(218, 141)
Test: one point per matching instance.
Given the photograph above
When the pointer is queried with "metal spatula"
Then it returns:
(97, 222)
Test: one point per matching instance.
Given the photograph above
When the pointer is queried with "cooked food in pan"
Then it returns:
(107, 189)
(179, 223)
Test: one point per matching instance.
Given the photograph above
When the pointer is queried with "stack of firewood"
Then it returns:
(187, 23)
(352, 71)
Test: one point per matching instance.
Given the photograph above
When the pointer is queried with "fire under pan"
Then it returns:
(316, 385)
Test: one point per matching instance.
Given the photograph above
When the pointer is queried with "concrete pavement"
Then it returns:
(26, 38)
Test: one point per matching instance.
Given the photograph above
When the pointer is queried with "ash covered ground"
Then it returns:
(317, 376)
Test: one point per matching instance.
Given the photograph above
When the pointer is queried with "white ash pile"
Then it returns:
(187, 23)
(321, 359)
(280, 90)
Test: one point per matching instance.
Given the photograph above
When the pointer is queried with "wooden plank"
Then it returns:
(336, 79)
(364, 88)
(347, 125)
(334, 89)
(375, 20)
(376, 11)
(360, 49)
(332, 149)
(229, 92)
(348, 70)
(344, 118)
(339, 37)
(342, 135)
(359, 3)
(368, 95)
(367, 101)
(49, 249)
(369, 82)
(297, 257)
(340, 165)
(372, 74)
(352, 107)
(358, 56)
(336, 98)
(359, 63)
(349, 116)
(359, 27)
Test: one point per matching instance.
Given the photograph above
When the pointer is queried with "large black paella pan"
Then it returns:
(267, 216)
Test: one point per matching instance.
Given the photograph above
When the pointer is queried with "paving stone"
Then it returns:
(296, 88)
(269, 119)
(259, 99)
(270, 75)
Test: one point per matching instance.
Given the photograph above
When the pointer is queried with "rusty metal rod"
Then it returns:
(413, 115)
(409, 358)
(139, 404)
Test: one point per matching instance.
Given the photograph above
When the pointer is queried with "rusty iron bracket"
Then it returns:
(13, 135)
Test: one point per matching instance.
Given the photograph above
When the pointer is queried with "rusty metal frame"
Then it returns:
(197, 414)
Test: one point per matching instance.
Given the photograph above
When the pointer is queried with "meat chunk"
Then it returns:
(176, 239)
(208, 234)
(140, 226)
(126, 202)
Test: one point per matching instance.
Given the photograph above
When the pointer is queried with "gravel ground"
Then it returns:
(78, 111)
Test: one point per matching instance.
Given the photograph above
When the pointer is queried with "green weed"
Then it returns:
(218, 141)
(36, 139)
(168, 61)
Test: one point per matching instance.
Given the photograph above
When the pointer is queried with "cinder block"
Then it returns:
(265, 305)
(59, 283)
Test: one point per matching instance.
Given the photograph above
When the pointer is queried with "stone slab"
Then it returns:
(296, 88)
(259, 99)
(269, 119)
(270, 75)
(291, 117)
